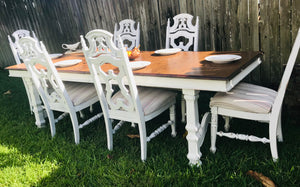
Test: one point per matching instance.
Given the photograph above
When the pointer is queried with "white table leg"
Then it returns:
(36, 103)
(192, 126)
(196, 132)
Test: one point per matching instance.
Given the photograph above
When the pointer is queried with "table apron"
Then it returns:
(162, 82)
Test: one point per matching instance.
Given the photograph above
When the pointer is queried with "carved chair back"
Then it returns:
(46, 80)
(17, 35)
(128, 33)
(182, 34)
(102, 54)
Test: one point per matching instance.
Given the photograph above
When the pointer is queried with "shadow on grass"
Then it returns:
(90, 163)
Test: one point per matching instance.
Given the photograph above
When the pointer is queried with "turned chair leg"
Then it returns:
(213, 129)
(227, 125)
(173, 120)
(183, 109)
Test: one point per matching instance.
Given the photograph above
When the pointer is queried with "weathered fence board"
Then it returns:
(230, 25)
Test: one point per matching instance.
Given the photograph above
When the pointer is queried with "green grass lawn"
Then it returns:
(30, 157)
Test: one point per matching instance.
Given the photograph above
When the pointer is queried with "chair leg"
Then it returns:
(183, 109)
(109, 132)
(173, 119)
(51, 120)
(133, 125)
(273, 141)
(227, 125)
(143, 140)
(75, 126)
(213, 129)
(279, 129)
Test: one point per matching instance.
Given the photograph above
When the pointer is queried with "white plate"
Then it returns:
(138, 64)
(55, 55)
(167, 51)
(66, 63)
(221, 59)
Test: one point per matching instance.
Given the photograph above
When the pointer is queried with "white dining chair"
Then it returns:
(128, 32)
(252, 102)
(109, 66)
(184, 35)
(69, 97)
(17, 35)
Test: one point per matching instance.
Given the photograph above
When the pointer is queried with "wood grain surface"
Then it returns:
(182, 64)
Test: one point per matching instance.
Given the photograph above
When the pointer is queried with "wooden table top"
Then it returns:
(183, 64)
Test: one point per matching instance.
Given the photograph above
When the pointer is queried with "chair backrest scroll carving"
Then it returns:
(110, 64)
(128, 33)
(182, 28)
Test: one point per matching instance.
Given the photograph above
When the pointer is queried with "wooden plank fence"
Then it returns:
(266, 25)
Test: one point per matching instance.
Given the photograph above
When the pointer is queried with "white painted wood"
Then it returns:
(17, 35)
(160, 82)
(36, 103)
(273, 118)
(227, 125)
(243, 74)
(203, 126)
(244, 137)
(182, 27)
(127, 106)
(192, 126)
(60, 117)
(118, 126)
(151, 81)
(159, 130)
(128, 33)
(49, 85)
(92, 119)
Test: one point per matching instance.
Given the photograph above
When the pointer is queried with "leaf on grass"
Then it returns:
(266, 181)
(133, 135)
(109, 156)
(185, 134)
(132, 171)
(8, 92)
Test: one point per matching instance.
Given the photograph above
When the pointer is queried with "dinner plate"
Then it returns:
(169, 51)
(66, 63)
(222, 59)
(138, 64)
(55, 55)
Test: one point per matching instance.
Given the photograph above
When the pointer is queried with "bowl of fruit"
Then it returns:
(134, 53)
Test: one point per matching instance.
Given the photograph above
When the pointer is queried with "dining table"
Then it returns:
(186, 71)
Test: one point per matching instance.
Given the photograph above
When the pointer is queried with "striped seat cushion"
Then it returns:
(246, 97)
(151, 99)
(80, 92)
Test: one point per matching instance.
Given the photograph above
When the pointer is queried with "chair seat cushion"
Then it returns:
(247, 98)
(151, 99)
(80, 92)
